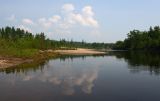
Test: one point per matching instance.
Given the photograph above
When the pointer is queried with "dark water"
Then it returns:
(118, 76)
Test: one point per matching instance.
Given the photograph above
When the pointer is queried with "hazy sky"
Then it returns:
(89, 20)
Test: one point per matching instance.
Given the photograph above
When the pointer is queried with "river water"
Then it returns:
(117, 76)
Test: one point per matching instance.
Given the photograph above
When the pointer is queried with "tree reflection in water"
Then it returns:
(140, 61)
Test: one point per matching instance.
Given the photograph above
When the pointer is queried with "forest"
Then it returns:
(18, 42)
(140, 40)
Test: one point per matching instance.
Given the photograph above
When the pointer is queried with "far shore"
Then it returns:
(8, 62)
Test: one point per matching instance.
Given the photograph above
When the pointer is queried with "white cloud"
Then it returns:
(11, 18)
(68, 7)
(27, 21)
(84, 18)
(48, 22)
(88, 16)
(70, 18)
(45, 23)
(55, 18)
(87, 10)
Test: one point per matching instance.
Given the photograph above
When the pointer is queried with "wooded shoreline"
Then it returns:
(18, 46)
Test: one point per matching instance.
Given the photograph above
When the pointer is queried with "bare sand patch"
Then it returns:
(11, 62)
(80, 51)
(7, 62)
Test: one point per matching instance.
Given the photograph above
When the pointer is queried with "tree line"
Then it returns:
(11, 37)
(140, 40)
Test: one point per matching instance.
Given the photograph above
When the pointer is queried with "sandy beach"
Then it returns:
(11, 62)
(79, 51)
(6, 62)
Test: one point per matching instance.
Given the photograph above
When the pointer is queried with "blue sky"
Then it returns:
(89, 20)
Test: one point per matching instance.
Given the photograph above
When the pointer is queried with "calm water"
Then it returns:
(118, 76)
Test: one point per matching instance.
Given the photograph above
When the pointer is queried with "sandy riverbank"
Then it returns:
(11, 62)
(79, 51)
(6, 62)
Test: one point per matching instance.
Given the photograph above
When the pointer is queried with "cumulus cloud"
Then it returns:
(87, 10)
(84, 18)
(48, 22)
(66, 21)
(45, 22)
(71, 18)
(27, 21)
(68, 7)
(55, 19)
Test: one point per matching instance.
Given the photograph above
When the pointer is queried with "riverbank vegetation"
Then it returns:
(140, 40)
(19, 43)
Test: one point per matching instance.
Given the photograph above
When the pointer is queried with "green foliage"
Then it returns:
(20, 43)
(141, 40)
(17, 42)
(16, 52)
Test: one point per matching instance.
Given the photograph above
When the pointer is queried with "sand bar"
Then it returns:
(79, 51)
(6, 62)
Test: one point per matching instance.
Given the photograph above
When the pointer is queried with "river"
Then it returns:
(117, 76)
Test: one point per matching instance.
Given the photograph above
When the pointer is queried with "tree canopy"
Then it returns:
(21, 39)
(141, 40)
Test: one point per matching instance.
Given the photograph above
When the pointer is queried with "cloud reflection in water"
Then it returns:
(66, 75)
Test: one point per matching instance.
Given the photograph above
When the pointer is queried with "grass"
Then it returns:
(34, 54)
(34, 57)
(15, 52)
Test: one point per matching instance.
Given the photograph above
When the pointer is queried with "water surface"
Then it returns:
(117, 76)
